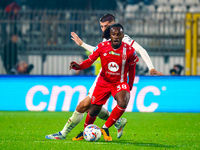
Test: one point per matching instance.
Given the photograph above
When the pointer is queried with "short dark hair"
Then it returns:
(116, 25)
(106, 33)
(107, 17)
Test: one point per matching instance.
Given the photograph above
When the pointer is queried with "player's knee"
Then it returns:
(123, 102)
(94, 110)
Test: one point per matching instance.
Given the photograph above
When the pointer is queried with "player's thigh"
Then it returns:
(122, 98)
(83, 105)
(122, 94)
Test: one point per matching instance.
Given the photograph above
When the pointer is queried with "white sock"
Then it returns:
(104, 126)
(72, 122)
(104, 114)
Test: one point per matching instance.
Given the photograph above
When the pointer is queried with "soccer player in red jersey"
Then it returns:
(117, 59)
(105, 21)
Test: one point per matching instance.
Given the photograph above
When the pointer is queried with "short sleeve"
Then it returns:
(96, 53)
(128, 40)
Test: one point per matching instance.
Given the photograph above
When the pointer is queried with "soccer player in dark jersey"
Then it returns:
(117, 60)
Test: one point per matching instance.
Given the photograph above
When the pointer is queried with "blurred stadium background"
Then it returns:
(167, 29)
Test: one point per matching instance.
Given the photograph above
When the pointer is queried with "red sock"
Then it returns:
(89, 119)
(114, 116)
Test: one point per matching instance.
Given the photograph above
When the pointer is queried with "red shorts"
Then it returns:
(103, 90)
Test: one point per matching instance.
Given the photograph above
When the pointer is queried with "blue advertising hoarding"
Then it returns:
(62, 93)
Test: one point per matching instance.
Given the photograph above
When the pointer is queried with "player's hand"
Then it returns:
(74, 65)
(155, 72)
(76, 39)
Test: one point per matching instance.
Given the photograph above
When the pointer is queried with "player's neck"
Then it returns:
(115, 47)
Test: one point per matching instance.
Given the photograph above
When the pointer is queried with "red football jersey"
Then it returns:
(114, 62)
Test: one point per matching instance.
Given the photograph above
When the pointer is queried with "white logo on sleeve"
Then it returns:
(113, 66)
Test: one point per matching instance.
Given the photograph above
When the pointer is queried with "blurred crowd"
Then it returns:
(11, 62)
(10, 55)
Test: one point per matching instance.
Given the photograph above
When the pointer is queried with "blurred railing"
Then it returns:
(44, 36)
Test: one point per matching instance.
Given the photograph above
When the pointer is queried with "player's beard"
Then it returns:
(116, 46)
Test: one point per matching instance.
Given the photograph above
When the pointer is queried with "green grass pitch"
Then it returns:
(27, 130)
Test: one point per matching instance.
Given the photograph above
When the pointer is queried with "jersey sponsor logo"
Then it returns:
(112, 73)
(95, 48)
(113, 53)
(105, 54)
(113, 66)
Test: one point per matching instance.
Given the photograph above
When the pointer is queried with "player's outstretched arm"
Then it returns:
(79, 42)
(84, 65)
(155, 72)
(76, 39)
(74, 65)
(143, 53)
